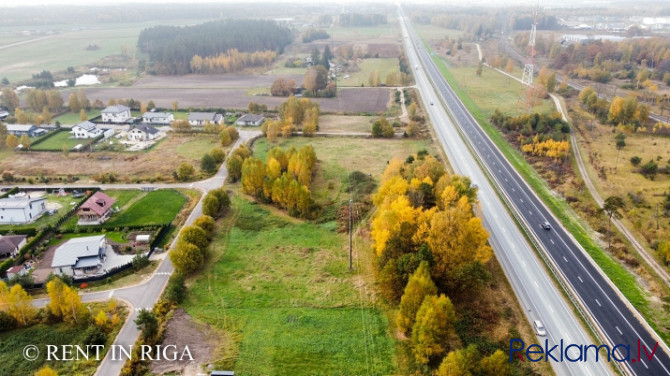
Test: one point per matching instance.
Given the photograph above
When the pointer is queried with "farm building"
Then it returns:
(21, 209)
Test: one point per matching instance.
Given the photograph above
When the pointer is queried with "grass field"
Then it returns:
(337, 157)
(368, 66)
(285, 302)
(63, 204)
(115, 236)
(156, 207)
(343, 124)
(57, 141)
(70, 118)
(350, 34)
(13, 342)
(57, 52)
(196, 148)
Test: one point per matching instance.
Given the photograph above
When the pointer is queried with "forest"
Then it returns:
(358, 19)
(171, 48)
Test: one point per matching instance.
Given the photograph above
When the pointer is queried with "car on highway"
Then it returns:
(545, 225)
(431, 103)
(539, 328)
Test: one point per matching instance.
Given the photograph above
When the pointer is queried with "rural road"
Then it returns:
(534, 288)
(147, 293)
(613, 316)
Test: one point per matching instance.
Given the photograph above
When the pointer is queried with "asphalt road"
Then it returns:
(538, 295)
(146, 294)
(612, 314)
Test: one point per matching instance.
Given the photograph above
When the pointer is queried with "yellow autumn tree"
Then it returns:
(388, 220)
(454, 364)
(19, 304)
(46, 371)
(418, 287)
(457, 239)
(433, 330)
(390, 190)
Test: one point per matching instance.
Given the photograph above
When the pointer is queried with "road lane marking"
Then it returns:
(530, 212)
(537, 284)
(580, 279)
(552, 241)
(619, 330)
(566, 260)
(521, 199)
(599, 305)
(551, 309)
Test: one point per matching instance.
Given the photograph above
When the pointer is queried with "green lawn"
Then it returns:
(124, 196)
(198, 146)
(283, 298)
(70, 118)
(115, 236)
(368, 66)
(56, 141)
(156, 207)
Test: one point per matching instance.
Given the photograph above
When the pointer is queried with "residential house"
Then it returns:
(250, 119)
(4, 114)
(11, 244)
(115, 114)
(28, 129)
(21, 209)
(86, 129)
(16, 271)
(80, 256)
(200, 118)
(157, 118)
(96, 209)
(142, 132)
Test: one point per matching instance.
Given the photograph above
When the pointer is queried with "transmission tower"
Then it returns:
(527, 77)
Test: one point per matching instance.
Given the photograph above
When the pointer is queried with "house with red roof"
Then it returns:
(96, 210)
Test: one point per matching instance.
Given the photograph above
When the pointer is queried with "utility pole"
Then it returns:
(657, 215)
(351, 221)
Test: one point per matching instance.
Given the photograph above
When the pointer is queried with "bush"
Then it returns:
(635, 160)
(95, 336)
(140, 261)
(175, 291)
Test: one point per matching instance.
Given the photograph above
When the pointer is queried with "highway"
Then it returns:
(612, 314)
(539, 297)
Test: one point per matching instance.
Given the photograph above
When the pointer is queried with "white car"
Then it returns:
(539, 328)
(545, 225)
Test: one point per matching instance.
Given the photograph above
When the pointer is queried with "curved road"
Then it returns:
(614, 317)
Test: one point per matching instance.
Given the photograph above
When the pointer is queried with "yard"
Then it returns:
(279, 293)
(62, 204)
(58, 140)
(367, 68)
(71, 118)
(197, 147)
(155, 207)
(344, 124)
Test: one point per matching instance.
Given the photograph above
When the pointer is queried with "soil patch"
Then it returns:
(182, 331)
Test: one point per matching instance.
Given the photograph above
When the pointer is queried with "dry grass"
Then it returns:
(160, 160)
(344, 124)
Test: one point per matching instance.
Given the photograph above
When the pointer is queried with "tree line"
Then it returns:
(537, 134)
(621, 111)
(312, 34)
(232, 61)
(430, 246)
(283, 180)
(293, 113)
(172, 48)
(358, 19)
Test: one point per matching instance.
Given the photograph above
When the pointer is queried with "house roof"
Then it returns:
(202, 116)
(87, 126)
(146, 128)
(86, 262)
(15, 269)
(19, 127)
(156, 115)
(251, 117)
(115, 109)
(9, 243)
(98, 203)
(18, 202)
(72, 250)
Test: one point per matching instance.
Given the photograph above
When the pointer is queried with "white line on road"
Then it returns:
(566, 260)
(619, 330)
(599, 305)
(537, 284)
(580, 279)
(552, 241)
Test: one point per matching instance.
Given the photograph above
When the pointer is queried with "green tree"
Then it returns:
(211, 205)
(454, 364)
(196, 236)
(233, 132)
(25, 141)
(147, 322)
(433, 329)
(611, 208)
(208, 164)
(418, 287)
(551, 83)
(635, 160)
(186, 257)
(206, 223)
(218, 154)
(10, 100)
(224, 138)
(496, 364)
(73, 103)
(234, 167)
(185, 171)
(12, 141)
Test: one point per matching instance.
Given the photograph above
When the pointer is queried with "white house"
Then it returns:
(80, 256)
(16, 271)
(21, 209)
(142, 132)
(11, 244)
(115, 114)
(86, 129)
(200, 118)
(164, 118)
(250, 119)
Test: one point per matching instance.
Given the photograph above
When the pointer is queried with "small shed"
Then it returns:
(142, 238)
